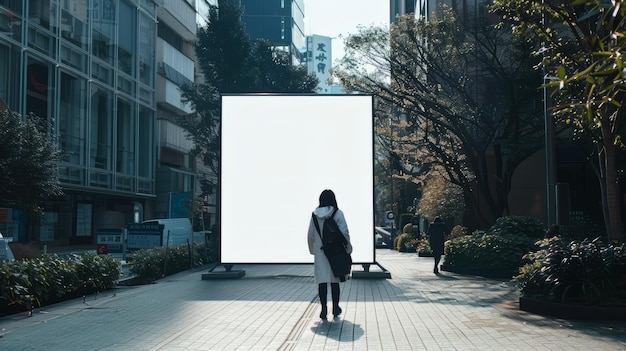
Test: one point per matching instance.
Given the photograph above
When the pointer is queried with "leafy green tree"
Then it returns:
(229, 63)
(581, 46)
(28, 163)
(459, 97)
(222, 53)
(276, 74)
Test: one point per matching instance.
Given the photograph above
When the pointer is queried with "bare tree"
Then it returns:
(460, 97)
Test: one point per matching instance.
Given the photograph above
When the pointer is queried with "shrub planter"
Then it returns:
(496, 273)
(572, 311)
(423, 254)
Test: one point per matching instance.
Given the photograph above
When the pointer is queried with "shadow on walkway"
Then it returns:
(338, 329)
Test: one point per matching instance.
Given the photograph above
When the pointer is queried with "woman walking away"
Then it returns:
(323, 273)
(435, 239)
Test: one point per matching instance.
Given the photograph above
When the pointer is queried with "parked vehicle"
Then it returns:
(382, 237)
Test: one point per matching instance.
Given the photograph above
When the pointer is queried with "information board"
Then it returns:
(112, 238)
(144, 236)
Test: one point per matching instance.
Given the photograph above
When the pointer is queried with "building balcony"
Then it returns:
(180, 16)
(173, 64)
(169, 96)
(173, 137)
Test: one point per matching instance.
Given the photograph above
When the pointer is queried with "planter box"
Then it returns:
(569, 311)
(420, 254)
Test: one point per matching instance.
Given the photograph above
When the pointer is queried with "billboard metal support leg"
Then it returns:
(228, 273)
(367, 274)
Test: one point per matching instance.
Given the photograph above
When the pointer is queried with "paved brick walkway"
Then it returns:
(274, 307)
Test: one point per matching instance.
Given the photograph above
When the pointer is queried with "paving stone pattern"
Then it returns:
(275, 307)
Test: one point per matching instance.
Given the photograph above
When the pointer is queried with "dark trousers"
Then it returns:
(437, 260)
(323, 293)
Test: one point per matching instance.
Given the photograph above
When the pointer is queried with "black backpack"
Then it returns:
(334, 246)
(333, 241)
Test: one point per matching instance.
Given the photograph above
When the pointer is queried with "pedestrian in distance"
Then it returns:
(552, 232)
(323, 271)
(436, 238)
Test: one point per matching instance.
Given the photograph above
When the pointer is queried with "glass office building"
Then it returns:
(89, 67)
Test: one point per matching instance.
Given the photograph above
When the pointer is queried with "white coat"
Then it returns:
(323, 272)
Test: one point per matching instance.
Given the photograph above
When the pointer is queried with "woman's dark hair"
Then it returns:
(437, 219)
(327, 198)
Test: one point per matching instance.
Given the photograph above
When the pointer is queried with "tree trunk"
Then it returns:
(611, 195)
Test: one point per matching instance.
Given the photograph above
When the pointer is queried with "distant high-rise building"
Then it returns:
(281, 22)
(425, 8)
(402, 7)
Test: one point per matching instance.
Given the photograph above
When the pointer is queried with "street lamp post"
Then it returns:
(550, 136)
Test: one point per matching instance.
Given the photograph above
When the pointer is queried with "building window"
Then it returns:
(125, 138)
(42, 13)
(39, 79)
(103, 29)
(145, 135)
(146, 50)
(126, 39)
(74, 22)
(100, 128)
(72, 118)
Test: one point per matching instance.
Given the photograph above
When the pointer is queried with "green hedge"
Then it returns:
(519, 226)
(487, 251)
(48, 279)
(499, 249)
(150, 265)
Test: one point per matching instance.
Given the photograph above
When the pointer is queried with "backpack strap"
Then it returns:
(317, 225)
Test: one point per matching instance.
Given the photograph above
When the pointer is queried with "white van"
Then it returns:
(178, 230)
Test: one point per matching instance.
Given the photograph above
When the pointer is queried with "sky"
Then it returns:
(339, 18)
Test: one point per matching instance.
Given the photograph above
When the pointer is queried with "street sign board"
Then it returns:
(144, 236)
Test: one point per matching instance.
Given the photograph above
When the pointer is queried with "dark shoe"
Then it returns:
(324, 312)
(336, 311)
(436, 270)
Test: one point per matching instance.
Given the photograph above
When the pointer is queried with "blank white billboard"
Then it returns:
(279, 152)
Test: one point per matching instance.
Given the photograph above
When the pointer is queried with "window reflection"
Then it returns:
(126, 39)
(103, 29)
(146, 117)
(125, 138)
(72, 118)
(100, 141)
(43, 13)
(74, 22)
(38, 81)
(146, 49)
